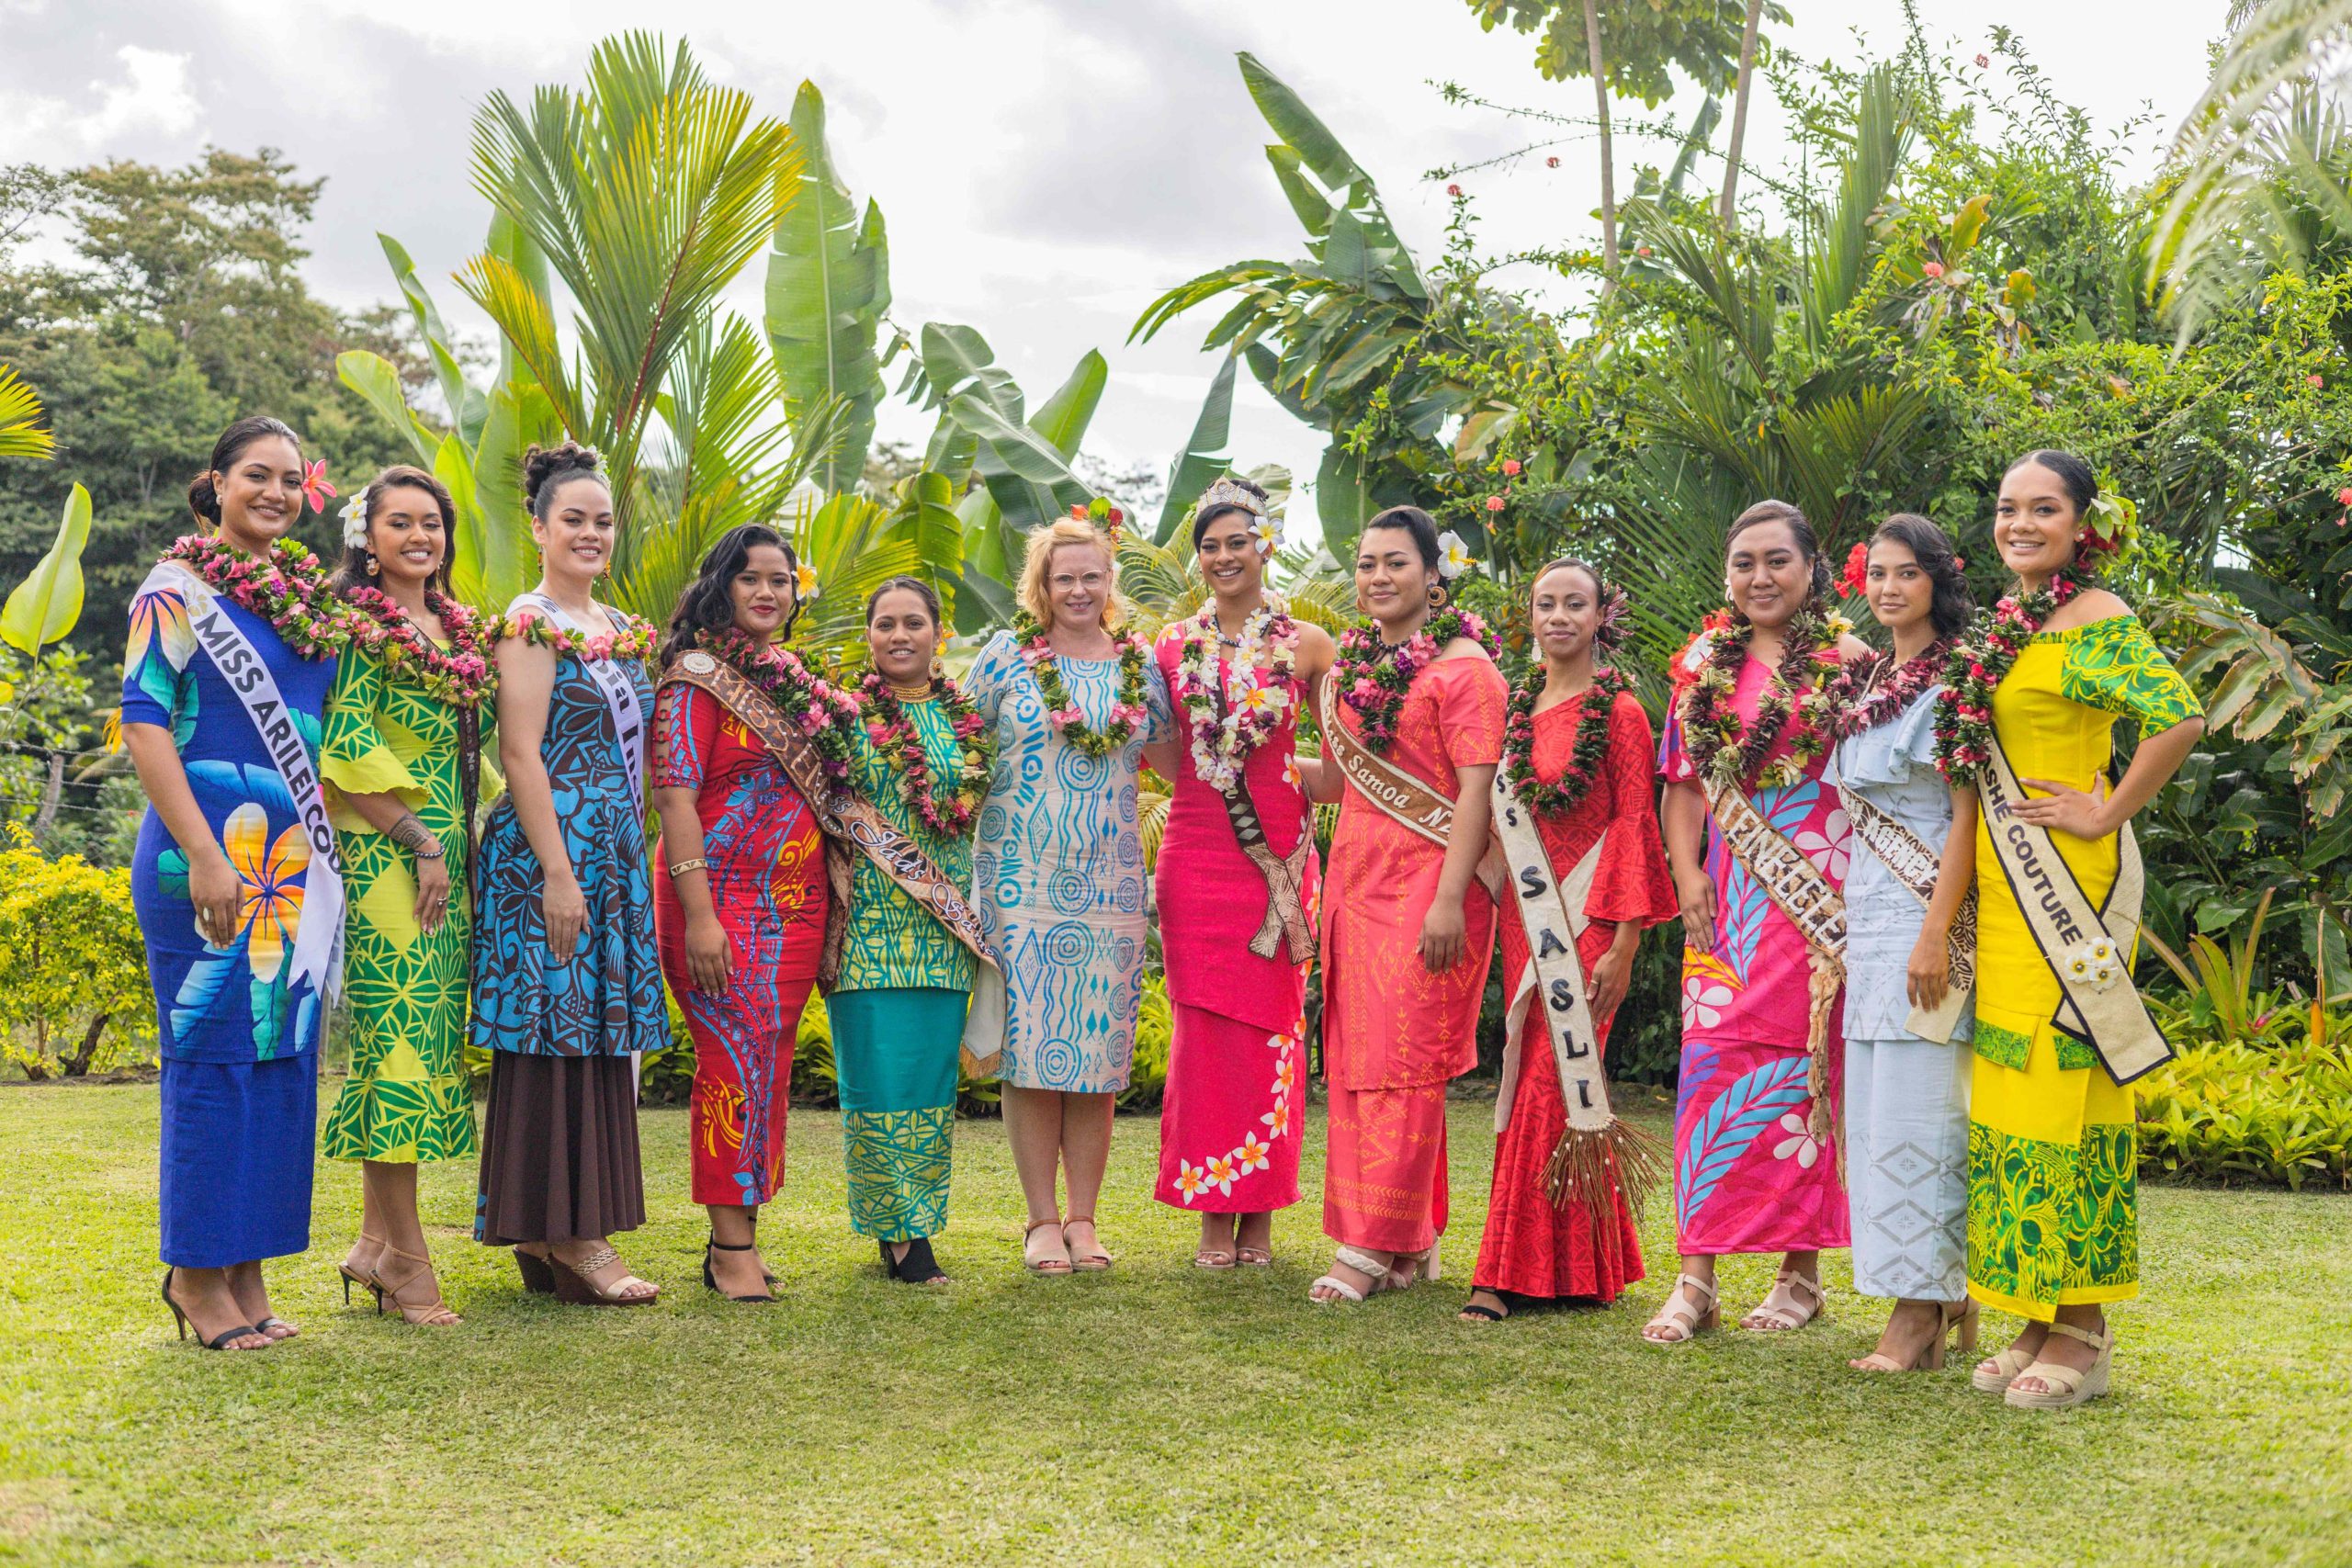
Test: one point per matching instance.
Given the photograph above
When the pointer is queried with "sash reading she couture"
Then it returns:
(620, 692)
(317, 933)
(853, 824)
(2088, 948)
(1596, 1150)
(1914, 866)
(1397, 793)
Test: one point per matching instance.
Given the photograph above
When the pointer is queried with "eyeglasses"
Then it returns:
(1092, 581)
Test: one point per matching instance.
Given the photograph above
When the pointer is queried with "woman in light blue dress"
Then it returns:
(1907, 1096)
(1057, 876)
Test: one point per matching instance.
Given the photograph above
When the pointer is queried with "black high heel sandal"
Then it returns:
(917, 1267)
(219, 1341)
(711, 1281)
(350, 1279)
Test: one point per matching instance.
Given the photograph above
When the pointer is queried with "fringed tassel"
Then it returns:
(1827, 978)
(1590, 1166)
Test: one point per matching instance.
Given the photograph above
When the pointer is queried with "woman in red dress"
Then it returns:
(740, 897)
(1580, 755)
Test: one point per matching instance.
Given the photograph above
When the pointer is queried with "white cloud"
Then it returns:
(150, 98)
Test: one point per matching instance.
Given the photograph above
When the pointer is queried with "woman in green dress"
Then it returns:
(402, 753)
(906, 980)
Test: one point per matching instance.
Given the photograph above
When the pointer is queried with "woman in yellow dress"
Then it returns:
(2052, 1211)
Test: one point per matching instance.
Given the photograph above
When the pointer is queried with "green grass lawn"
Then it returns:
(1157, 1414)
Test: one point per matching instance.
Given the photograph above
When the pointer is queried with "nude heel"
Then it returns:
(2068, 1387)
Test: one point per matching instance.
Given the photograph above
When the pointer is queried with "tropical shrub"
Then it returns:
(75, 995)
(2236, 1109)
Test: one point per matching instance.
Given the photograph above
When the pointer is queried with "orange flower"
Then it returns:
(271, 875)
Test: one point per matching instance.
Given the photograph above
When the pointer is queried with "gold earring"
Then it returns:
(1437, 595)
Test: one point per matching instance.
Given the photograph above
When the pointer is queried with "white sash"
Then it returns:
(620, 692)
(1551, 914)
(318, 929)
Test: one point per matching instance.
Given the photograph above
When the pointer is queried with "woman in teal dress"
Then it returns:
(906, 981)
(232, 647)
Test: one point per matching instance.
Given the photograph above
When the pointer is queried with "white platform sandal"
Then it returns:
(2068, 1386)
(1363, 1263)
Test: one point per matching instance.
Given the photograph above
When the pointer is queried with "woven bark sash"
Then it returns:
(851, 824)
(1596, 1152)
(1799, 890)
(2088, 949)
(1914, 866)
(1285, 921)
(1403, 797)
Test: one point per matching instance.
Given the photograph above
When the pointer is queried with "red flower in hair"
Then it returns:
(1857, 576)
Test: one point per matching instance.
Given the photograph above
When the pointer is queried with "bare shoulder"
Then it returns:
(1464, 647)
(1317, 651)
(2086, 606)
(1851, 648)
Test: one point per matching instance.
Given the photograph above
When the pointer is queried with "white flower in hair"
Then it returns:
(1268, 535)
(1453, 557)
(354, 520)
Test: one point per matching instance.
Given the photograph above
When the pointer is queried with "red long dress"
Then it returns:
(768, 883)
(1532, 1247)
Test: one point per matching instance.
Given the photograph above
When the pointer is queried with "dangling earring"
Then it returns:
(373, 569)
(938, 667)
(1437, 595)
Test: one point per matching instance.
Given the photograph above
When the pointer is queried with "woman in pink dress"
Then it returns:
(1237, 672)
(1409, 930)
(1747, 740)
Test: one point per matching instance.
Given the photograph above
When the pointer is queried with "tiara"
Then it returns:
(1229, 492)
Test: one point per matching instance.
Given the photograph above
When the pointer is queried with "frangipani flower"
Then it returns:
(1799, 1144)
(270, 879)
(1453, 557)
(804, 582)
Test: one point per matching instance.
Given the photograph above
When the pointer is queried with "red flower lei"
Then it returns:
(1860, 700)
(900, 745)
(634, 640)
(1589, 750)
(1725, 750)
(1374, 676)
(463, 676)
(1977, 665)
(818, 709)
(1062, 711)
(287, 588)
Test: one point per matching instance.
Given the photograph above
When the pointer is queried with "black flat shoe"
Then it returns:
(711, 1281)
(917, 1267)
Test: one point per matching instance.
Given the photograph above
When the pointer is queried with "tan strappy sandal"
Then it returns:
(1997, 1371)
(573, 1284)
(2068, 1386)
(1771, 1317)
(354, 1277)
(1684, 1317)
(1930, 1357)
(435, 1314)
(1055, 1262)
(1095, 1262)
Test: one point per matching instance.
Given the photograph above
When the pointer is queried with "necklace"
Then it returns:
(1374, 676)
(1233, 713)
(818, 709)
(1585, 756)
(287, 588)
(1062, 710)
(1878, 690)
(1978, 664)
(462, 676)
(633, 640)
(898, 743)
(1724, 749)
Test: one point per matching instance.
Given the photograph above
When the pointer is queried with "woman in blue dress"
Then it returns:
(1057, 876)
(231, 650)
(567, 983)
(1913, 858)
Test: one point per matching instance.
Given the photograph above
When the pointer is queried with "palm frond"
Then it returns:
(21, 432)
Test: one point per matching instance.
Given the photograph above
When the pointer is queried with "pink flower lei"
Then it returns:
(1233, 714)
(1127, 710)
(287, 588)
(898, 743)
(634, 640)
(463, 676)
(818, 709)
(1375, 676)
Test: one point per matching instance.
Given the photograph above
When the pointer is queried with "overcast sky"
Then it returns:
(1045, 166)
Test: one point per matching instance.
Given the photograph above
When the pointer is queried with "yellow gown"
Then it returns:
(2052, 1202)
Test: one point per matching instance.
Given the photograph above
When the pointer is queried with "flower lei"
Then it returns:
(634, 640)
(1978, 664)
(900, 745)
(287, 588)
(462, 677)
(1222, 742)
(1586, 754)
(820, 710)
(1062, 710)
(1860, 700)
(1726, 750)
(1374, 676)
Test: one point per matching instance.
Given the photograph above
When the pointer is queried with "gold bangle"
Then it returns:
(684, 866)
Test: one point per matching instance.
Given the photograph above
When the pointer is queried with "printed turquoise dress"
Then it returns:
(239, 1032)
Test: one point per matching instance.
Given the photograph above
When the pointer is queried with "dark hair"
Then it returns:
(708, 605)
(545, 469)
(914, 585)
(1610, 634)
(1206, 515)
(203, 496)
(1808, 544)
(352, 572)
(1953, 605)
(2082, 484)
(1416, 522)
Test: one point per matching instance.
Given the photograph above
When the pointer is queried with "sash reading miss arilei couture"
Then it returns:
(620, 692)
(1800, 891)
(2088, 948)
(1398, 794)
(1596, 1150)
(318, 935)
(860, 826)
(1914, 866)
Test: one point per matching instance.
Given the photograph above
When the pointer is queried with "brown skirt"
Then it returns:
(558, 1150)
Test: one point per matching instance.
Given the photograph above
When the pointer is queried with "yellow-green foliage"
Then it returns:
(2233, 1110)
(73, 987)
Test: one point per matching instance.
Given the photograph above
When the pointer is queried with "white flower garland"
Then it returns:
(1222, 744)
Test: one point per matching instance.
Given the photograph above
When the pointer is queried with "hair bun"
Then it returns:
(542, 465)
(203, 500)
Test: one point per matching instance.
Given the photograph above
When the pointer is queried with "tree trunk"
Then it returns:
(1739, 111)
(1608, 168)
(78, 1065)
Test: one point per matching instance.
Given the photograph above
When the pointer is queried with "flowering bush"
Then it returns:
(74, 996)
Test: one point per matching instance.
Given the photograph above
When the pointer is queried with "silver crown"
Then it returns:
(1226, 492)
